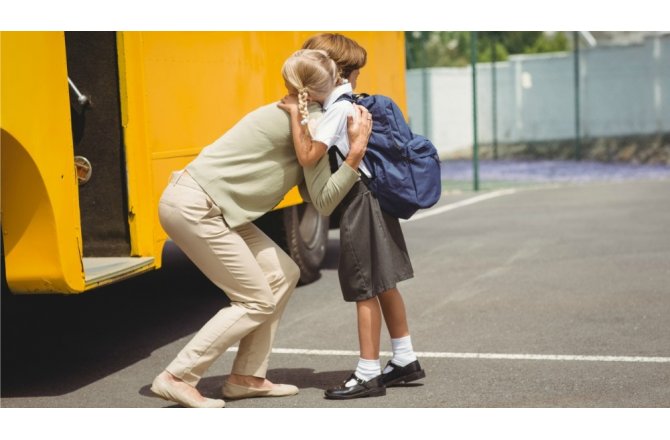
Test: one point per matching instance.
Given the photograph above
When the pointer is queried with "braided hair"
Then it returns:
(313, 74)
(303, 99)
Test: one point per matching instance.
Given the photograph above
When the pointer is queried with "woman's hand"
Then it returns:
(359, 128)
(289, 103)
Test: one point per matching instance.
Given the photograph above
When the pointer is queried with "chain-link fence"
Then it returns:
(604, 99)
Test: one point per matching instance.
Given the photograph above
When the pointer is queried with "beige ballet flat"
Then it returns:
(168, 391)
(233, 391)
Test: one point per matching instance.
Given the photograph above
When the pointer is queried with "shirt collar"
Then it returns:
(336, 93)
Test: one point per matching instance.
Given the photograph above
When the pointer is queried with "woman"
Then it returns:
(207, 210)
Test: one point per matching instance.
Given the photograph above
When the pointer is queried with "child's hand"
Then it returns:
(289, 103)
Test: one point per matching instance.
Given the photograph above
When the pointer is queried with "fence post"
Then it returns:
(475, 146)
(494, 97)
(578, 147)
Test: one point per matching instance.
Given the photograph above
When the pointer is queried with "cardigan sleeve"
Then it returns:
(326, 190)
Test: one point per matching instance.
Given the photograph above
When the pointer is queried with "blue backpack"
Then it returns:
(405, 167)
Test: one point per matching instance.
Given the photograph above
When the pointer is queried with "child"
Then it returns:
(373, 254)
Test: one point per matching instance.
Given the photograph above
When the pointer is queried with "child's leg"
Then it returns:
(369, 334)
(395, 316)
(369, 327)
(366, 380)
(404, 367)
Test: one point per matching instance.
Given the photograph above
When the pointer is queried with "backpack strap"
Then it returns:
(353, 98)
(346, 97)
(333, 152)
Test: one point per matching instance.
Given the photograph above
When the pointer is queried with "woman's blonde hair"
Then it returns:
(312, 73)
(347, 54)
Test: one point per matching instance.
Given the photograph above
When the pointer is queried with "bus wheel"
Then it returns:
(306, 239)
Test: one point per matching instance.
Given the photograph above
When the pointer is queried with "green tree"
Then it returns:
(452, 49)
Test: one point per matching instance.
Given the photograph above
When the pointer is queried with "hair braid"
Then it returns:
(303, 97)
(312, 74)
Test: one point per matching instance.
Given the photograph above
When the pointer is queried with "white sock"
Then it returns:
(403, 353)
(366, 369)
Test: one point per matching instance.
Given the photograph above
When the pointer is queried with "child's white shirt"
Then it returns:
(331, 128)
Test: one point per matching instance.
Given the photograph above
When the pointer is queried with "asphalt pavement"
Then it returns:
(539, 296)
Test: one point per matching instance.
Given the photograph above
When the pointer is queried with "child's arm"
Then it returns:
(326, 191)
(307, 151)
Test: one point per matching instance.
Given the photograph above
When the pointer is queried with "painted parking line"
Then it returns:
(500, 356)
(451, 206)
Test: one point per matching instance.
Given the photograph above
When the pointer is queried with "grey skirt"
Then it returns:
(373, 254)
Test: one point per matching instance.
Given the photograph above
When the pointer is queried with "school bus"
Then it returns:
(93, 123)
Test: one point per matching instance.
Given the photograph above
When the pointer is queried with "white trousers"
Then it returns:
(253, 271)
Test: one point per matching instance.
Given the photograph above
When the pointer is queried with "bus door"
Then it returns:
(93, 78)
(65, 216)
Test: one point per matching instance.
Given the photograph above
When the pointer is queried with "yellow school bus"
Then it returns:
(94, 122)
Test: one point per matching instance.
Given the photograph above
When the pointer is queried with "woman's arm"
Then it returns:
(326, 190)
(307, 151)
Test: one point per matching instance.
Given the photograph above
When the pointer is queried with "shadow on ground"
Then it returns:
(55, 344)
(303, 378)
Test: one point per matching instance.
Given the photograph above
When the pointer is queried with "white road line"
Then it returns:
(504, 356)
(455, 205)
(449, 355)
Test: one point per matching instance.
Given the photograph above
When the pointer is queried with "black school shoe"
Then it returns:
(398, 375)
(362, 388)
